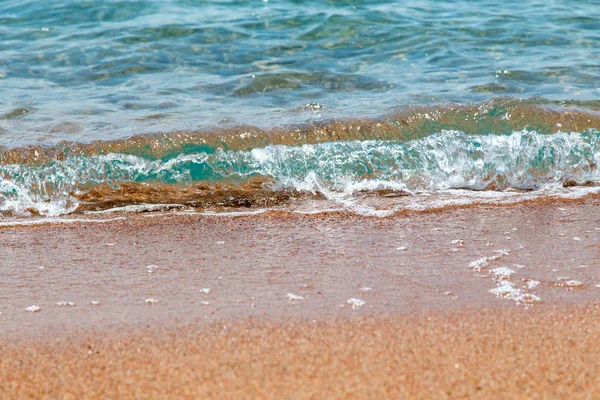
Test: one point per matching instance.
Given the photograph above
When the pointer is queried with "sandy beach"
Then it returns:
(299, 200)
(482, 301)
(540, 353)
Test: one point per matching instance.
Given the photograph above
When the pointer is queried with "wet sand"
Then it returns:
(415, 262)
(440, 265)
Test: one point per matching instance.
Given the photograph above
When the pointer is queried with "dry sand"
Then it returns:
(509, 354)
(429, 308)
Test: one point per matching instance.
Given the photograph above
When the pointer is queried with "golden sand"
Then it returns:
(519, 353)
(430, 328)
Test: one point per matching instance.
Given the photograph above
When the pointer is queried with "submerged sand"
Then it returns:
(250, 265)
(469, 302)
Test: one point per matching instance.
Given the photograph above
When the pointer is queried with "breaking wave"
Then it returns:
(408, 153)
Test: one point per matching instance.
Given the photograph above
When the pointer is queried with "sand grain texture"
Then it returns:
(430, 327)
(524, 353)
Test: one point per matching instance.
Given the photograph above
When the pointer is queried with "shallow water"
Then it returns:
(315, 97)
(260, 266)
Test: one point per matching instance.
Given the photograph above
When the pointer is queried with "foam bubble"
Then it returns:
(356, 303)
(502, 272)
(138, 208)
(293, 297)
(55, 220)
(151, 268)
(573, 283)
(507, 290)
(532, 283)
(484, 262)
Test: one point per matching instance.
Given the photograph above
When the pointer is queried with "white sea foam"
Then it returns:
(502, 272)
(229, 213)
(507, 290)
(532, 284)
(151, 268)
(55, 220)
(573, 283)
(293, 297)
(356, 303)
(484, 262)
(138, 208)
(432, 170)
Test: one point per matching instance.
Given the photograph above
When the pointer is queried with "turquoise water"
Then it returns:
(87, 70)
(437, 74)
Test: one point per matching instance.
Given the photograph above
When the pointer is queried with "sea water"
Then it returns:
(357, 103)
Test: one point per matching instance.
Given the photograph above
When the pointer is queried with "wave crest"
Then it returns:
(523, 160)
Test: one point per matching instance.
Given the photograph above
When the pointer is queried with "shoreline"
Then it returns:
(484, 256)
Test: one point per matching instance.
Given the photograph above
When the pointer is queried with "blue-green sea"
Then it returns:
(330, 99)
